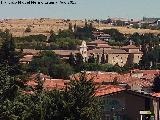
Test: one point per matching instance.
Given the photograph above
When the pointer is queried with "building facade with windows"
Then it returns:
(121, 104)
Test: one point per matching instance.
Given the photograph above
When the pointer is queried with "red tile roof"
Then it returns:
(108, 77)
(103, 46)
(108, 51)
(27, 92)
(153, 72)
(50, 84)
(98, 77)
(97, 42)
(55, 83)
(30, 51)
(42, 76)
(108, 89)
(130, 47)
(156, 94)
(26, 58)
(65, 52)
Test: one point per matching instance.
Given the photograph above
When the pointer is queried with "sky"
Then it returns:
(83, 9)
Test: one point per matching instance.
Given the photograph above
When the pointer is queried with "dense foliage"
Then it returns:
(156, 84)
(49, 63)
(76, 102)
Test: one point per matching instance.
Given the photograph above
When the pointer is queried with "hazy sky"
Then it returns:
(89, 9)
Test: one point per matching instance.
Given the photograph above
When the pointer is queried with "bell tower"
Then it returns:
(83, 51)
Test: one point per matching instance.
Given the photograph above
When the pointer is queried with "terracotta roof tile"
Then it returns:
(103, 46)
(26, 58)
(50, 84)
(97, 42)
(27, 92)
(153, 72)
(130, 47)
(65, 52)
(156, 94)
(108, 89)
(108, 77)
(31, 51)
(108, 51)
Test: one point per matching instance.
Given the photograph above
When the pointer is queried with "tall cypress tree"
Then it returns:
(8, 54)
(72, 60)
(84, 105)
(156, 84)
(70, 26)
(103, 57)
(7, 51)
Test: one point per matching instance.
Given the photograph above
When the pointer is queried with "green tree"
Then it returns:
(91, 59)
(43, 62)
(52, 37)
(136, 38)
(115, 34)
(79, 59)
(84, 32)
(79, 62)
(40, 82)
(120, 23)
(7, 52)
(28, 29)
(65, 34)
(9, 56)
(103, 58)
(8, 93)
(85, 105)
(70, 26)
(72, 60)
(156, 84)
(60, 71)
(92, 67)
(8, 88)
(57, 106)
(75, 27)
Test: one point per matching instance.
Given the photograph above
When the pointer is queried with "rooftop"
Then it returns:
(31, 51)
(155, 94)
(108, 89)
(103, 46)
(130, 47)
(50, 84)
(26, 58)
(65, 52)
(108, 51)
(97, 42)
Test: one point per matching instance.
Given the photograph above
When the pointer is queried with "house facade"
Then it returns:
(128, 105)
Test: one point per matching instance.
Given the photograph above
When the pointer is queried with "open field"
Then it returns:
(43, 26)
(126, 30)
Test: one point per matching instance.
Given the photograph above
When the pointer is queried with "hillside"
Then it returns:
(44, 25)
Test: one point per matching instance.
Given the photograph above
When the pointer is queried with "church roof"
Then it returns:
(130, 47)
(112, 51)
(97, 42)
(65, 52)
(103, 46)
